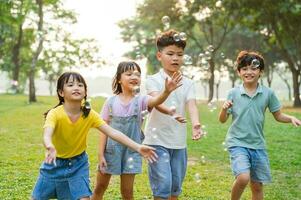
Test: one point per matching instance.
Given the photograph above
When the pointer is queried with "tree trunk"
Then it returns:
(32, 91)
(211, 80)
(216, 91)
(16, 59)
(296, 88)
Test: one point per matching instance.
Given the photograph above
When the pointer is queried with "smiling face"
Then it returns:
(73, 90)
(249, 74)
(129, 79)
(171, 58)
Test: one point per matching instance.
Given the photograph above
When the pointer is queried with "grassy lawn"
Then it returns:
(208, 175)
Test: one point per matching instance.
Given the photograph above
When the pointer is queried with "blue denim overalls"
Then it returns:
(121, 159)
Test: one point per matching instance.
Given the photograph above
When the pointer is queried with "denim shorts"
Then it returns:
(69, 179)
(254, 161)
(166, 175)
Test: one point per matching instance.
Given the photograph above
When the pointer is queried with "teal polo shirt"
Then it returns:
(248, 113)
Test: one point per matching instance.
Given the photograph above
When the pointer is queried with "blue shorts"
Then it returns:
(254, 161)
(166, 175)
(122, 160)
(69, 179)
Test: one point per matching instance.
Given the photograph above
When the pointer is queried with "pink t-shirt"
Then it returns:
(124, 110)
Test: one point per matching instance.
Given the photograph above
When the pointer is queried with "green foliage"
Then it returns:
(21, 153)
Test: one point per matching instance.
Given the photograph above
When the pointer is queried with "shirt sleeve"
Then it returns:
(191, 94)
(274, 104)
(97, 120)
(143, 102)
(152, 85)
(105, 111)
(50, 119)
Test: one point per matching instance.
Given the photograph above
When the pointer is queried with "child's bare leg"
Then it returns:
(257, 190)
(102, 182)
(239, 185)
(85, 198)
(126, 186)
(173, 198)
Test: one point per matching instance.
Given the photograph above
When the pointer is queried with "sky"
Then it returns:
(98, 19)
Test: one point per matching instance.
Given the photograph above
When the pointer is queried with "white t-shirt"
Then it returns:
(162, 129)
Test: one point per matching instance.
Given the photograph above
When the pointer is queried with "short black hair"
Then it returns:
(246, 57)
(167, 39)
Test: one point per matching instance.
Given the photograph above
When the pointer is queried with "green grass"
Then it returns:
(21, 153)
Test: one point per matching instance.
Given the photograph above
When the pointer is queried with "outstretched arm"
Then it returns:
(146, 151)
(51, 151)
(281, 117)
(197, 132)
(170, 85)
(101, 149)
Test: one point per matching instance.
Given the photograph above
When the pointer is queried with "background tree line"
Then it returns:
(33, 39)
(217, 31)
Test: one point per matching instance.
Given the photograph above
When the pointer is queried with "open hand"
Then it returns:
(174, 82)
(50, 156)
(296, 122)
(148, 153)
(102, 165)
(197, 132)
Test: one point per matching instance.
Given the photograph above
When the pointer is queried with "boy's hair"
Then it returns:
(167, 38)
(62, 80)
(123, 67)
(245, 58)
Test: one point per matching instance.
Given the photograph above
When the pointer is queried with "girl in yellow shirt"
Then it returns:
(64, 174)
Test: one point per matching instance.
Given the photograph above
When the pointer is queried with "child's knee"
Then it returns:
(127, 193)
(243, 179)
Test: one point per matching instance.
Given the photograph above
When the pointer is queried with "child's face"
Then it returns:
(249, 74)
(73, 90)
(171, 58)
(129, 79)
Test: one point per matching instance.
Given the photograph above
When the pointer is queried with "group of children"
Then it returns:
(64, 174)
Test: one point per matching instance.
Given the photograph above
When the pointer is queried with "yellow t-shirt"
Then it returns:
(70, 139)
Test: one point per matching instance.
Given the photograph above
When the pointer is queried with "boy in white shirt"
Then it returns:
(162, 131)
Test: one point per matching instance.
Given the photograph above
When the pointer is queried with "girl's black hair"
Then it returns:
(123, 67)
(245, 58)
(62, 80)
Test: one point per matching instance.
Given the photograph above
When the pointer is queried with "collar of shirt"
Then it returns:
(243, 90)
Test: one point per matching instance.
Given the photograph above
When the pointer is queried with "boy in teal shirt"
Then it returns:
(245, 140)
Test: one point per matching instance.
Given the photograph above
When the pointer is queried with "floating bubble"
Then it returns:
(136, 90)
(182, 36)
(187, 60)
(210, 48)
(165, 20)
(144, 114)
(224, 143)
(176, 37)
(203, 160)
(153, 133)
(130, 162)
(222, 55)
(88, 103)
(201, 55)
(212, 105)
(165, 157)
(255, 63)
(225, 149)
(203, 126)
(197, 177)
